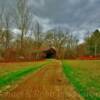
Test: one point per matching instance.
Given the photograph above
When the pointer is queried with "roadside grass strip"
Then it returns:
(12, 77)
(74, 76)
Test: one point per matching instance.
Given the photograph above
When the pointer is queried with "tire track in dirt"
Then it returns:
(49, 83)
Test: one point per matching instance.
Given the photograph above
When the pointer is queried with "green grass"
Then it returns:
(9, 67)
(85, 77)
(13, 76)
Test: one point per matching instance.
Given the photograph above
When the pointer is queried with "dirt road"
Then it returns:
(49, 83)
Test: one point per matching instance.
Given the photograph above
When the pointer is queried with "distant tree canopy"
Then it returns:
(93, 43)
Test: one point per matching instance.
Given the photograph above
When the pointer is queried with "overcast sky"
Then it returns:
(76, 15)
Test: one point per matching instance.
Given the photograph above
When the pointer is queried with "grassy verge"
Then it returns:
(85, 81)
(12, 77)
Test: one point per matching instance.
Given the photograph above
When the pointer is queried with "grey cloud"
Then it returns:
(75, 14)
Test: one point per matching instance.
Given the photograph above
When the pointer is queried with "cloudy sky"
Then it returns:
(74, 14)
(79, 16)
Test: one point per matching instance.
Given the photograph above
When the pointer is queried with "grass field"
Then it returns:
(85, 77)
(8, 67)
(11, 72)
(47, 83)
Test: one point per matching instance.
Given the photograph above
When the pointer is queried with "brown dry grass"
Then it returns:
(49, 83)
(9, 67)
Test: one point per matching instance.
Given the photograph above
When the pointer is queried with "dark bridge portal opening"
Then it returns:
(50, 53)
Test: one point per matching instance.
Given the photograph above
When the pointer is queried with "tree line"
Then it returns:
(28, 41)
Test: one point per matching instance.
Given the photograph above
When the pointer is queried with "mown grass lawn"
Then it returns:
(85, 77)
(17, 73)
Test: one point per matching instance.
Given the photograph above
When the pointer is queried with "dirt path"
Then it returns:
(49, 83)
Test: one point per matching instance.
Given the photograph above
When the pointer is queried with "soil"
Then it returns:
(49, 83)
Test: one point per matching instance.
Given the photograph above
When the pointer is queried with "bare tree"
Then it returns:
(57, 40)
(38, 34)
(37, 38)
(65, 43)
(1, 23)
(22, 19)
(1, 31)
(60, 40)
(7, 26)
